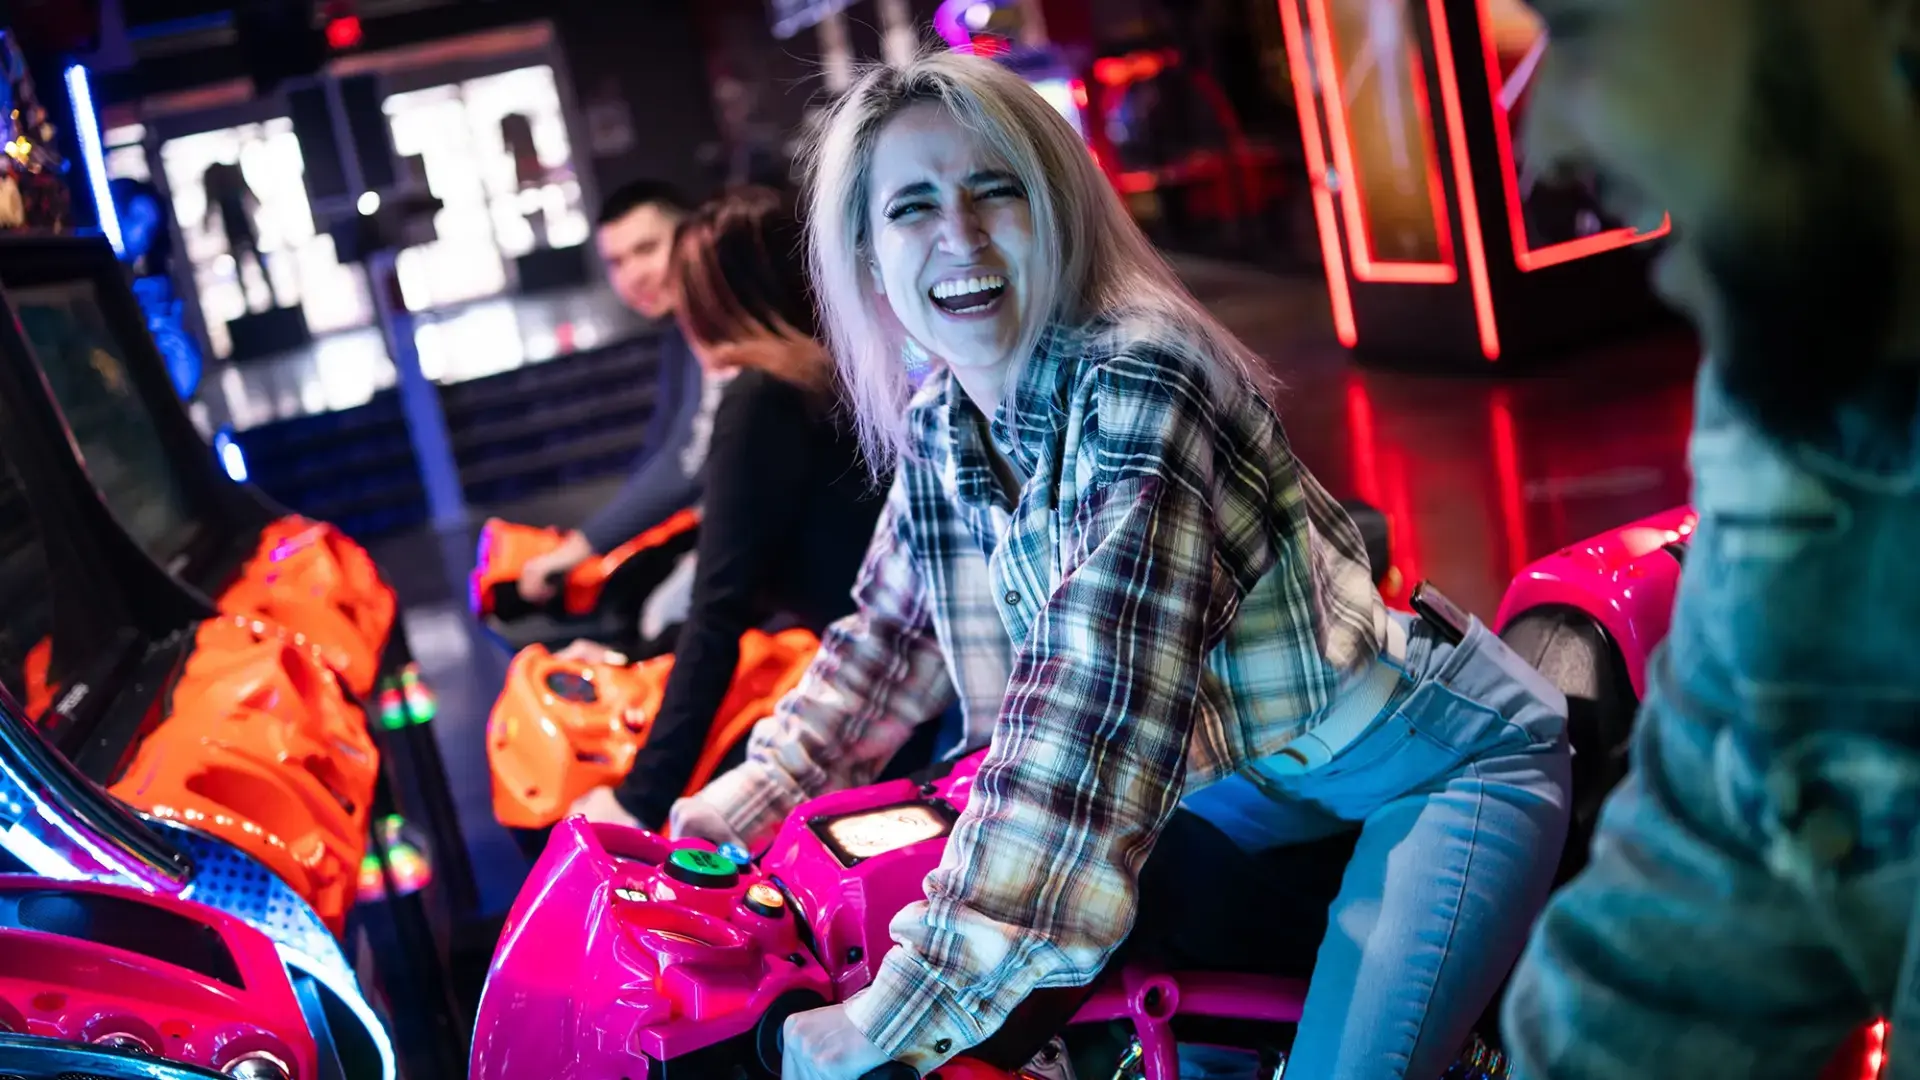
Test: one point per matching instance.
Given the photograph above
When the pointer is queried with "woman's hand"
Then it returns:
(536, 586)
(823, 1044)
(600, 807)
(692, 819)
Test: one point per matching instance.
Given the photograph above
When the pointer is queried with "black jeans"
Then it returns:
(1205, 905)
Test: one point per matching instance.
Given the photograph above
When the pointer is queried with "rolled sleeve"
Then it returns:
(878, 675)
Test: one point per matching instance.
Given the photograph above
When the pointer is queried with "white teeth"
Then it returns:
(947, 290)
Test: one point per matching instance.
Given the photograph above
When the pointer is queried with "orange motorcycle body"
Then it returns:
(310, 578)
(563, 727)
(506, 548)
(263, 749)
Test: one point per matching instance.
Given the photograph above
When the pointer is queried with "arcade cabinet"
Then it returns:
(1162, 130)
(104, 643)
(224, 541)
(113, 646)
(994, 29)
(1439, 251)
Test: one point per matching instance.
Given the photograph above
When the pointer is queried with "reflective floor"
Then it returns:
(1478, 476)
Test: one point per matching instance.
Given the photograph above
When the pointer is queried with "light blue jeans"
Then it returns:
(1460, 791)
(1751, 898)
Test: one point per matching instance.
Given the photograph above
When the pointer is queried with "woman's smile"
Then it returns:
(969, 297)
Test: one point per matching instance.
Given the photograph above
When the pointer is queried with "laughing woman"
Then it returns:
(1100, 543)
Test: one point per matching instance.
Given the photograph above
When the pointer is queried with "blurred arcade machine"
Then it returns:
(1014, 32)
(248, 200)
(1163, 130)
(1439, 251)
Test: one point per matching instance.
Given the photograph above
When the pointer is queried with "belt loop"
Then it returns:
(1394, 647)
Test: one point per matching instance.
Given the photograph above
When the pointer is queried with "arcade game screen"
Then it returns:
(1389, 156)
(86, 367)
(857, 837)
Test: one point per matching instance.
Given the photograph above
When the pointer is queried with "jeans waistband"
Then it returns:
(1362, 701)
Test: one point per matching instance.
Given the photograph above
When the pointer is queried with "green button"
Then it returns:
(706, 869)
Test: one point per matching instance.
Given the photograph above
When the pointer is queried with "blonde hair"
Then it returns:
(1094, 261)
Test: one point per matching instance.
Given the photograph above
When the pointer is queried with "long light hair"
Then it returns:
(1094, 263)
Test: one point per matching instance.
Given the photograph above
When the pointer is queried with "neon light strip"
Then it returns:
(1506, 467)
(1463, 179)
(1359, 233)
(1386, 490)
(1329, 226)
(86, 124)
(1527, 257)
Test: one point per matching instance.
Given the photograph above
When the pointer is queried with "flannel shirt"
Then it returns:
(1170, 598)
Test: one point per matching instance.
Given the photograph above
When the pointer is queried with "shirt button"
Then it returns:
(945, 1045)
(1013, 598)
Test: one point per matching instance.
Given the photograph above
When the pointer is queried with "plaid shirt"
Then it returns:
(1170, 598)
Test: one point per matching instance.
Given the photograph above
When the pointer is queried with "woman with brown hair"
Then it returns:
(789, 507)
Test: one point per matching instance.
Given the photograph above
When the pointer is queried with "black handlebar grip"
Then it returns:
(557, 578)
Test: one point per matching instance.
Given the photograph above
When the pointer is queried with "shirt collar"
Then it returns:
(1021, 425)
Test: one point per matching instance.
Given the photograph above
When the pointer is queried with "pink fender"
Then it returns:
(191, 985)
(1624, 579)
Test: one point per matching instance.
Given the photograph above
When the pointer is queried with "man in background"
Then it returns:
(1752, 898)
(635, 238)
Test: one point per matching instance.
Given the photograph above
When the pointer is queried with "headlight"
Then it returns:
(124, 1041)
(257, 1065)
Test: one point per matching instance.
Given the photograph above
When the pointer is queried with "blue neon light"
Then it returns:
(86, 125)
(232, 457)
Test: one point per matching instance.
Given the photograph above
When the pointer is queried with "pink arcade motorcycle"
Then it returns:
(629, 956)
(105, 980)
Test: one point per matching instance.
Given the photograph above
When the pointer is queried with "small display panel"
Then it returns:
(855, 838)
(86, 365)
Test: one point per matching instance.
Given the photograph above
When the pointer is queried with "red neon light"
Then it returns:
(1329, 227)
(1359, 232)
(1506, 468)
(344, 32)
(1079, 91)
(1131, 68)
(1366, 464)
(1463, 178)
(1525, 256)
(1876, 1050)
(1390, 493)
(988, 45)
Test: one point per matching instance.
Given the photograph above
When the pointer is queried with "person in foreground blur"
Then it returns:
(1100, 543)
(1751, 899)
(789, 507)
(635, 237)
